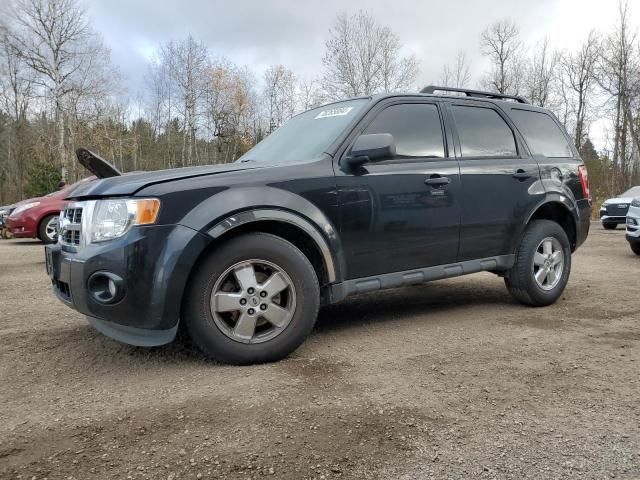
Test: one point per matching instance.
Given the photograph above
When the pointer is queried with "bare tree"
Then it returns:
(457, 75)
(53, 38)
(231, 111)
(619, 76)
(16, 94)
(279, 95)
(501, 43)
(186, 62)
(363, 57)
(578, 71)
(541, 73)
(310, 94)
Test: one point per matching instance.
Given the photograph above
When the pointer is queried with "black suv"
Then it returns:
(351, 197)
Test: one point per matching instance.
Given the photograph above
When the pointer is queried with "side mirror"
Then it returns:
(371, 148)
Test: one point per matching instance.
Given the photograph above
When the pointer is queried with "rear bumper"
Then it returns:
(152, 265)
(584, 221)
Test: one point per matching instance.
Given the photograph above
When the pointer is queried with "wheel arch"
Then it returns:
(216, 218)
(559, 209)
(287, 225)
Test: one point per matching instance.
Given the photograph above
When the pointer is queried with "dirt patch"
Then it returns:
(451, 379)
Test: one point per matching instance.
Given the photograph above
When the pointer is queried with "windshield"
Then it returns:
(305, 136)
(632, 192)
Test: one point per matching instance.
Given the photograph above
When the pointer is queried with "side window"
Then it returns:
(415, 127)
(483, 132)
(542, 134)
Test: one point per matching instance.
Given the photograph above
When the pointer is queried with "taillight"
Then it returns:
(584, 181)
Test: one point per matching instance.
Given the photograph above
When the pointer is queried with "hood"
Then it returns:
(618, 200)
(96, 164)
(130, 183)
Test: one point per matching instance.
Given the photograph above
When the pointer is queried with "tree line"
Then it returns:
(59, 90)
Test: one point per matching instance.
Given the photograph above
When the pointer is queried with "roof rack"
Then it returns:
(474, 93)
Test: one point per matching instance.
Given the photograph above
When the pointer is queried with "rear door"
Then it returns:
(404, 212)
(500, 181)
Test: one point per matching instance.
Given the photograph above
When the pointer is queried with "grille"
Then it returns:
(617, 210)
(71, 226)
(74, 215)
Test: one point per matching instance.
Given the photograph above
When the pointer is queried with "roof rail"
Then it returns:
(474, 93)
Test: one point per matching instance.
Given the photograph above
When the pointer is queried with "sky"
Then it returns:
(259, 33)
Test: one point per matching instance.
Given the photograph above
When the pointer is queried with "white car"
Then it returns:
(613, 212)
(633, 225)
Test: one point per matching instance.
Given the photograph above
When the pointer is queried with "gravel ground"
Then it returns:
(447, 380)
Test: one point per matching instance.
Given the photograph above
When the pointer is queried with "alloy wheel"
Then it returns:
(548, 263)
(253, 301)
(51, 229)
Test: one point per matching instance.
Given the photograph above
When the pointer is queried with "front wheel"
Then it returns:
(542, 266)
(635, 247)
(48, 229)
(253, 300)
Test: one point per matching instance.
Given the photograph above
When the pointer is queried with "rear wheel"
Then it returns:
(254, 300)
(48, 229)
(542, 266)
(610, 226)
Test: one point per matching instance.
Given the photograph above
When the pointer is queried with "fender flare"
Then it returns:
(556, 198)
(262, 214)
(561, 199)
(253, 204)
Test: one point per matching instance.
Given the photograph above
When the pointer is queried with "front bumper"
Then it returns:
(610, 219)
(153, 263)
(633, 225)
(20, 228)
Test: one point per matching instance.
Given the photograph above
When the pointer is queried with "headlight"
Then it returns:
(636, 202)
(603, 206)
(24, 207)
(113, 218)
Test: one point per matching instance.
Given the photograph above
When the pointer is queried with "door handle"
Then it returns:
(436, 180)
(521, 174)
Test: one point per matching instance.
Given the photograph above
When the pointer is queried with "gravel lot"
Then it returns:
(447, 380)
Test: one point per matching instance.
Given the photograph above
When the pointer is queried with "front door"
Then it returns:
(404, 212)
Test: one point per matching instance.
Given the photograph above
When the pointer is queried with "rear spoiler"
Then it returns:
(96, 164)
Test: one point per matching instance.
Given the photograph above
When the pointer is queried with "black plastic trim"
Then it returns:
(342, 290)
(139, 337)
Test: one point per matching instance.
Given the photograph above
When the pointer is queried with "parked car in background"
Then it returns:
(613, 212)
(38, 217)
(633, 225)
(5, 211)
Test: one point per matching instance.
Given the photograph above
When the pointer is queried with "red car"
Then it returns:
(38, 217)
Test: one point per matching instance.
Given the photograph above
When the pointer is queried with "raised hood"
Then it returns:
(112, 183)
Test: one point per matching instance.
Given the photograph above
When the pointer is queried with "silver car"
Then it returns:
(633, 225)
(613, 212)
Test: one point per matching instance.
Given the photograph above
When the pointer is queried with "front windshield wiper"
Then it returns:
(246, 160)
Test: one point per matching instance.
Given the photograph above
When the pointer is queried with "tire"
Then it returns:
(521, 278)
(610, 226)
(635, 247)
(44, 230)
(219, 333)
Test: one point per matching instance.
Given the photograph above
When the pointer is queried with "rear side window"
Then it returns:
(542, 134)
(415, 127)
(483, 132)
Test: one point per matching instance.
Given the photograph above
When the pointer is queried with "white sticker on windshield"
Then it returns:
(334, 112)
